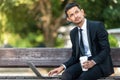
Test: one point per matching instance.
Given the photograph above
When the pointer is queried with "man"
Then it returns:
(89, 38)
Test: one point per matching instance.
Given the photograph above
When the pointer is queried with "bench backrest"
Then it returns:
(42, 57)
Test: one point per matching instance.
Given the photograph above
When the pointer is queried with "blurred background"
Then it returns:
(42, 23)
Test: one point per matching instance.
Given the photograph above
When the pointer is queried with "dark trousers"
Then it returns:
(75, 73)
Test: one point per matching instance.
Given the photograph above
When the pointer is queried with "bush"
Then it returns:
(113, 41)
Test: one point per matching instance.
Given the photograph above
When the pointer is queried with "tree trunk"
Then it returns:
(50, 37)
(49, 24)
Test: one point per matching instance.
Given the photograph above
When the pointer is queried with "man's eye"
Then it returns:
(71, 15)
(76, 11)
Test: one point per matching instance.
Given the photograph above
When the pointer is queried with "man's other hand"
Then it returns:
(56, 71)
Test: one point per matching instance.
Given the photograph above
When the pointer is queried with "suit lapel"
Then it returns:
(89, 35)
(77, 39)
(77, 42)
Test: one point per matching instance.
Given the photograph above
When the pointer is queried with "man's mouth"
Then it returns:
(77, 19)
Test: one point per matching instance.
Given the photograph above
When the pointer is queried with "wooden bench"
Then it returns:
(42, 57)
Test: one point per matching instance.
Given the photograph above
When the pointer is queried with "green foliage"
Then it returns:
(113, 41)
(93, 8)
(112, 14)
(56, 7)
(59, 43)
(107, 11)
(15, 40)
(17, 21)
(17, 15)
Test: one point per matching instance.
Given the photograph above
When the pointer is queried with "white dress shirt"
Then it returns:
(85, 38)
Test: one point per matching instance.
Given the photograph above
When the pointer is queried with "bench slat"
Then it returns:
(43, 57)
(115, 54)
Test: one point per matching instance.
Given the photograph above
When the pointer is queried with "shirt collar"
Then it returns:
(84, 25)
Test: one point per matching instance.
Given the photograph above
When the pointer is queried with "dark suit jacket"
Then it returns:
(99, 47)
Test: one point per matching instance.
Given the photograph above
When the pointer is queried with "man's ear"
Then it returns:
(83, 12)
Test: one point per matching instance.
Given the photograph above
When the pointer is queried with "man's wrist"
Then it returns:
(64, 67)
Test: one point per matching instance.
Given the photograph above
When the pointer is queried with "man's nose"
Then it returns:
(75, 15)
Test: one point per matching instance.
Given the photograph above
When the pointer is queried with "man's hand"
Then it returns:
(88, 64)
(56, 71)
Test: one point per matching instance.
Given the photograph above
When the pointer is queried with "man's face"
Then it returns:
(75, 15)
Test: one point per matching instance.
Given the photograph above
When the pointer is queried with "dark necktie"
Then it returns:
(81, 43)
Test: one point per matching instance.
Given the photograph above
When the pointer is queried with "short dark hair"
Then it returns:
(69, 6)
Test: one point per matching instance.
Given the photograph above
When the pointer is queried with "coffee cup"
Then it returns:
(82, 60)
